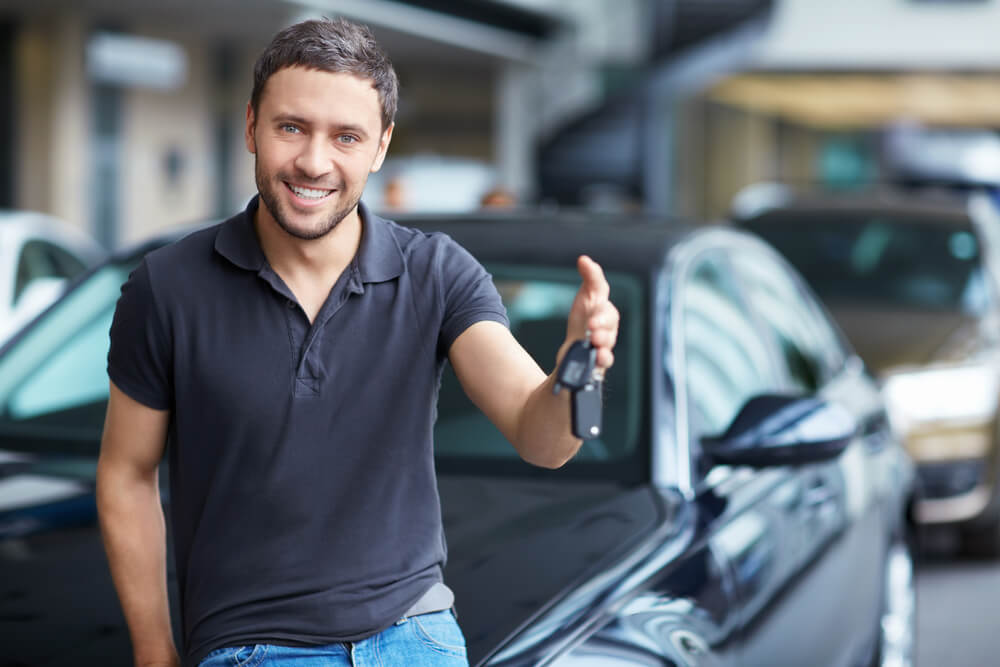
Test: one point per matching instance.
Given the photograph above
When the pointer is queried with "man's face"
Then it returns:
(316, 137)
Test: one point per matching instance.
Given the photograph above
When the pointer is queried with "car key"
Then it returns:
(579, 375)
(577, 366)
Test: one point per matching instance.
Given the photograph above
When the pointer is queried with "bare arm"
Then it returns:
(132, 523)
(505, 383)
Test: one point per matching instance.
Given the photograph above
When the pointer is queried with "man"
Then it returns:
(291, 356)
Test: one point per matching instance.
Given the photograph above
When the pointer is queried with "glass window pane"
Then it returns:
(35, 262)
(926, 264)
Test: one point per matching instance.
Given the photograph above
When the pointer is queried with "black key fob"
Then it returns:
(576, 373)
(586, 411)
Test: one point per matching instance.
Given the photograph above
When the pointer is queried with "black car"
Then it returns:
(744, 505)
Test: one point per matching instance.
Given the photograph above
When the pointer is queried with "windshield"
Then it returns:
(882, 259)
(54, 383)
(53, 379)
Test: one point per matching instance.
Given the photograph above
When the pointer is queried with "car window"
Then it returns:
(538, 300)
(67, 264)
(883, 259)
(726, 362)
(811, 352)
(53, 379)
(40, 259)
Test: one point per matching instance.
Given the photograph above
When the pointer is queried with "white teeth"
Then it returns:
(309, 193)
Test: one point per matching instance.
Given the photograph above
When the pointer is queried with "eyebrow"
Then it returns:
(342, 127)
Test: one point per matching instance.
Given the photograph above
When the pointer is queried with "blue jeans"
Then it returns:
(427, 640)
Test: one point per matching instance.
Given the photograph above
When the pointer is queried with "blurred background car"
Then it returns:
(913, 282)
(744, 470)
(39, 255)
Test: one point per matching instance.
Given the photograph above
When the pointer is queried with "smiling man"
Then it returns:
(287, 361)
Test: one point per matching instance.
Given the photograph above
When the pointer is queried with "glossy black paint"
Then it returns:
(762, 564)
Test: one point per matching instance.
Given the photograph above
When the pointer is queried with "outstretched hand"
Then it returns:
(592, 314)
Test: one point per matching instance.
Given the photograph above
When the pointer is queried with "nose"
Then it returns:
(315, 160)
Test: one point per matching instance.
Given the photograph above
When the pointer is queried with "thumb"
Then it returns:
(595, 285)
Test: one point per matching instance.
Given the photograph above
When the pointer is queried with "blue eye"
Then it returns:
(348, 139)
(290, 129)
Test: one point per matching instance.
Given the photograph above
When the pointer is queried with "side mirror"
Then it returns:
(773, 430)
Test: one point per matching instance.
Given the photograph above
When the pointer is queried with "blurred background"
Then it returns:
(126, 117)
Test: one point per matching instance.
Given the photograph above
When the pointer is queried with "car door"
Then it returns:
(845, 571)
(774, 525)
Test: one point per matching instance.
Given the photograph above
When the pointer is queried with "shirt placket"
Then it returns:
(305, 340)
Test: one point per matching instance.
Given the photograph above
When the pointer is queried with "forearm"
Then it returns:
(133, 528)
(544, 435)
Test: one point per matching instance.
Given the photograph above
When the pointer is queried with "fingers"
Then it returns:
(603, 326)
(594, 281)
(605, 359)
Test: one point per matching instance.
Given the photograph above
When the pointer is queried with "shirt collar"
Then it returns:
(237, 240)
(379, 258)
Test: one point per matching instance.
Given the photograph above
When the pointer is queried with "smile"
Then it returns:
(308, 193)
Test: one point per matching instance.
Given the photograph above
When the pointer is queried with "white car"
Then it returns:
(39, 256)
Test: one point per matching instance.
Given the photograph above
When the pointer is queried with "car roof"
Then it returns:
(628, 243)
(631, 243)
(914, 207)
(19, 226)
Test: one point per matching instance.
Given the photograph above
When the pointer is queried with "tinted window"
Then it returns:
(538, 300)
(882, 259)
(726, 361)
(65, 262)
(40, 259)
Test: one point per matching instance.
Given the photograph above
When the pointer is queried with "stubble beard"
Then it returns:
(268, 189)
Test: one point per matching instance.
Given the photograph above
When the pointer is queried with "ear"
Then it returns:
(383, 147)
(248, 133)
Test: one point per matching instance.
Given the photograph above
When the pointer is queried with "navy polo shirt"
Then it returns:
(304, 504)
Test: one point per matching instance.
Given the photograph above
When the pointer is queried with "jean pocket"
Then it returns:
(236, 656)
(439, 631)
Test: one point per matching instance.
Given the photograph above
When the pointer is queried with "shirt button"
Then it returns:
(291, 304)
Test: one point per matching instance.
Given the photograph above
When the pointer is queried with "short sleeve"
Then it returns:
(139, 357)
(468, 295)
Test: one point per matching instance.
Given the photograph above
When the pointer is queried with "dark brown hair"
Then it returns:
(331, 45)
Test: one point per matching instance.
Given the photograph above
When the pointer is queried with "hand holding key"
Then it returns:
(593, 317)
(593, 328)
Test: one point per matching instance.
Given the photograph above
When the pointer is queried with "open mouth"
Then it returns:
(309, 194)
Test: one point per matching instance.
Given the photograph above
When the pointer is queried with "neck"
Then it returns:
(291, 256)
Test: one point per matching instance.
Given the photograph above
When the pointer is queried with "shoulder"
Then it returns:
(183, 267)
(426, 252)
(188, 249)
(412, 240)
